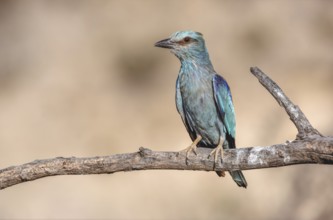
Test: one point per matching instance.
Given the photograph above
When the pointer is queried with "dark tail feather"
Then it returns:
(239, 178)
(220, 173)
(237, 175)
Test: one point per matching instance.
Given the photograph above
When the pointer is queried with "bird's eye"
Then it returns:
(187, 39)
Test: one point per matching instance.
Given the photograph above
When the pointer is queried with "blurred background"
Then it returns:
(82, 78)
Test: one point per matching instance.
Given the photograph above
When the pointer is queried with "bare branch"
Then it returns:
(310, 147)
(295, 113)
(318, 151)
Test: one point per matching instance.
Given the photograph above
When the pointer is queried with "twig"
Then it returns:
(309, 147)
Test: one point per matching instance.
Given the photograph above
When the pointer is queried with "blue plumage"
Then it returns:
(203, 97)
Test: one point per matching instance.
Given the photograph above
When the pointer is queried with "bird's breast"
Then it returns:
(199, 105)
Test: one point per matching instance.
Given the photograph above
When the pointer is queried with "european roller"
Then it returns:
(203, 98)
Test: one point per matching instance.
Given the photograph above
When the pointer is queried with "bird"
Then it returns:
(203, 98)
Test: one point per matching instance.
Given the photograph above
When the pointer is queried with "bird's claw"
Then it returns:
(192, 147)
(188, 150)
(216, 151)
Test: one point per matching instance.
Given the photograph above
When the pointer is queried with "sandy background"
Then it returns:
(82, 78)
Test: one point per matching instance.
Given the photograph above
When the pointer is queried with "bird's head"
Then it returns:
(185, 45)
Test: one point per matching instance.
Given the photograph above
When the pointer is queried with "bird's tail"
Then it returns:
(239, 178)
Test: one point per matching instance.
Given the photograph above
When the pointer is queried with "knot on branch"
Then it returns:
(144, 152)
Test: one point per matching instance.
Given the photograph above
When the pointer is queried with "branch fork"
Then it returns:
(309, 147)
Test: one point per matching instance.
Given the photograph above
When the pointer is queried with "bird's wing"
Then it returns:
(225, 107)
(185, 117)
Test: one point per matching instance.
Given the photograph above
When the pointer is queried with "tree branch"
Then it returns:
(296, 115)
(310, 147)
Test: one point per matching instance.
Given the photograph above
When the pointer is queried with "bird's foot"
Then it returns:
(216, 151)
(192, 147)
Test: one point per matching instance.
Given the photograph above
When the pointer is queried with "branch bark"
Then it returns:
(296, 115)
(310, 147)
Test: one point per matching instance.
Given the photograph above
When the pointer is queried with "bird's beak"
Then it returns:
(166, 43)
